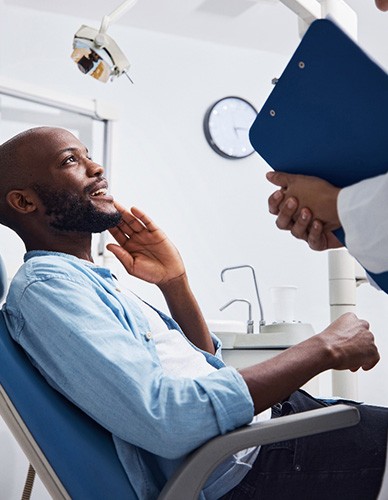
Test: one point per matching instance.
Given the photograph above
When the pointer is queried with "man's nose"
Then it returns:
(94, 169)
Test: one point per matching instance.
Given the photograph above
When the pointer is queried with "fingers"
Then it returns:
(118, 235)
(374, 356)
(276, 198)
(279, 178)
(318, 238)
(146, 221)
(373, 359)
(133, 221)
(301, 226)
(274, 202)
(315, 235)
(372, 362)
(130, 224)
(122, 255)
(285, 182)
(362, 342)
(365, 324)
(300, 229)
(286, 214)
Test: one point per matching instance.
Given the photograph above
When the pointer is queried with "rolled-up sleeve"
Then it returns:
(87, 352)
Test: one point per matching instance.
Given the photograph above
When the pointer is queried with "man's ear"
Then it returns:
(23, 201)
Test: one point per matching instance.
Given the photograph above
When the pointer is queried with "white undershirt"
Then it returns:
(177, 356)
(180, 359)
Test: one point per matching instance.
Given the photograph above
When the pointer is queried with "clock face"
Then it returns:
(226, 127)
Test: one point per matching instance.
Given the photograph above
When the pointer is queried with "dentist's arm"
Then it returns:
(146, 253)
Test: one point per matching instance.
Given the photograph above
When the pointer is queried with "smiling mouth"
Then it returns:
(99, 192)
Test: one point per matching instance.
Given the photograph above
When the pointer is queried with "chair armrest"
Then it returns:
(189, 479)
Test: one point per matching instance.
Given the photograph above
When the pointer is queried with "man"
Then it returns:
(311, 209)
(159, 391)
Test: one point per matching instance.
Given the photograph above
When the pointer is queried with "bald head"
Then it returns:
(21, 164)
(20, 154)
(13, 154)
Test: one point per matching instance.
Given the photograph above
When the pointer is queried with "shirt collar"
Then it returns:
(41, 253)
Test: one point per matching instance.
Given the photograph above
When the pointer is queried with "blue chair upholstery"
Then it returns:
(81, 452)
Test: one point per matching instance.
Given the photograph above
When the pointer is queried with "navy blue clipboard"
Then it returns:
(327, 115)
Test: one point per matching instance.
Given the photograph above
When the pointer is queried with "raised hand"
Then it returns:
(144, 249)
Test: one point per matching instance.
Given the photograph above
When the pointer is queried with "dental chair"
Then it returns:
(75, 457)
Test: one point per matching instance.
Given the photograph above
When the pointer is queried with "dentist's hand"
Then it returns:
(306, 206)
(144, 249)
(319, 196)
(303, 227)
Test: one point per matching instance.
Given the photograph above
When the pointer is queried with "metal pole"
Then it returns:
(342, 293)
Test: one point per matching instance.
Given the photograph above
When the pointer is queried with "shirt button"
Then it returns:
(148, 335)
(117, 289)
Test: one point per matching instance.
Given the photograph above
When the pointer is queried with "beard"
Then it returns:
(69, 212)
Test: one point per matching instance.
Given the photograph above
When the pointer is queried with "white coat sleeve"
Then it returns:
(363, 212)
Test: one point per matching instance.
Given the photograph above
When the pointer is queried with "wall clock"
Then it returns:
(226, 125)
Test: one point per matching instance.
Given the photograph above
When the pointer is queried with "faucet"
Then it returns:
(262, 322)
(250, 320)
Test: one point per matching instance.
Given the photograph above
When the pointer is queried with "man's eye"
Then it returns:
(69, 159)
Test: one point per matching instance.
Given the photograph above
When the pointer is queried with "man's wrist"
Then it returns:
(174, 285)
(321, 352)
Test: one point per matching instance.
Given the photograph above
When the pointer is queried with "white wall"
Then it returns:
(215, 210)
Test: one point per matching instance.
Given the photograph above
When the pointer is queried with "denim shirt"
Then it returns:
(93, 344)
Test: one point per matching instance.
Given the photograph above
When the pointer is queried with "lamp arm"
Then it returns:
(308, 10)
(115, 15)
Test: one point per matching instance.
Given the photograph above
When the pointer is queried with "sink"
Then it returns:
(227, 331)
(274, 336)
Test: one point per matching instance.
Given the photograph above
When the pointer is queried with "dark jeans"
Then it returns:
(346, 464)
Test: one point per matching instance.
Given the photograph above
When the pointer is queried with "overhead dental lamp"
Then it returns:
(96, 53)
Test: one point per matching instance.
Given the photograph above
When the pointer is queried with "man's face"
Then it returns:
(382, 4)
(70, 185)
(70, 212)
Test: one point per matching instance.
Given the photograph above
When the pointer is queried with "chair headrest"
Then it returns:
(3, 279)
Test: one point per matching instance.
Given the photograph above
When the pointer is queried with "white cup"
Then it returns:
(283, 303)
